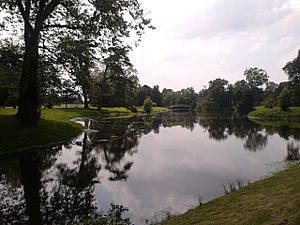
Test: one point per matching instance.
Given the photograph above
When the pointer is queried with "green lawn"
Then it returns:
(54, 127)
(275, 114)
(274, 200)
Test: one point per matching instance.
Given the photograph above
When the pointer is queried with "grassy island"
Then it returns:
(54, 127)
(275, 114)
(274, 200)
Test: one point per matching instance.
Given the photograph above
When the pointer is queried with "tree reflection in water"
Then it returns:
(38, 188)
(293, 152)
(220, 128)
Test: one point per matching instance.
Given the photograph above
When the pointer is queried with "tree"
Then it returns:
(148, 105)
(270, 95)
(285, 99)
(292, 69)
(242, 97)
(270, 89)
(68, 92)
(187, 96)
(216, 97)
(104, 22)
(143, 92)
(169, 97)
(10, 72)
(122, 77)
(256, 78)
(76, 57)
(50, 81)
(124, 89)
(156, 95)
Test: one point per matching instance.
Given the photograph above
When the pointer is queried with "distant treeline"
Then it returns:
(118, 85)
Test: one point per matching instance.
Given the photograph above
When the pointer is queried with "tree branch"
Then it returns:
(50, 8)
(21, 8)
(39, 17)
(70, 27)
(25, 12)
(56, 55)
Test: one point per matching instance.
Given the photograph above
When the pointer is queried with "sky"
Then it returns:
(196, 41)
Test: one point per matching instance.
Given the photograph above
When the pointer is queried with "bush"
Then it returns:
(285, 99)
(269, 103)
(148, 104)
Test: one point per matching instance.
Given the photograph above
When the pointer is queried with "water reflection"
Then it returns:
(164, 159)
(292, 152)
(220, 128)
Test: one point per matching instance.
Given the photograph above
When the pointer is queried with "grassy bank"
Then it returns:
(54, 127)
(274, 200)
(262, 113)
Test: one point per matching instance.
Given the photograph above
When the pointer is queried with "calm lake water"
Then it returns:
(148, 164)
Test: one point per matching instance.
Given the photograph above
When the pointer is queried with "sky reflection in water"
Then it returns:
(148, 164)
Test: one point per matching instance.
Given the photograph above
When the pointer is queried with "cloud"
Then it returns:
(202, 40)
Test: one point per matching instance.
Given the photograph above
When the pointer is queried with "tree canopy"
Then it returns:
(292, 69)
(103, 24)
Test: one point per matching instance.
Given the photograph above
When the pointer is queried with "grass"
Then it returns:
(53, 128)
(274, 200)
(262, 113)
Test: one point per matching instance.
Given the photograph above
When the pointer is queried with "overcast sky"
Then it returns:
(196, 41)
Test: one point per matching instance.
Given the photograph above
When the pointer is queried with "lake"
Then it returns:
(153, 165)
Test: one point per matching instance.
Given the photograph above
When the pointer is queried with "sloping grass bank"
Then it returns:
(275, 114)
(54, 127)
(274, 200)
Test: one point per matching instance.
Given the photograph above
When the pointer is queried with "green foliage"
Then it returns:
(154, 93)
(217, 97)
(292, 69)
(242, 97)
(148, 104)
(3, 96)
(55, 126)
(187, 96)
(68, 93)
(256, 77)
(113, 217)
(276, 114)
(117, 84)
(285, 99)
(270, 90)
(76, 56)
(169, 97)
(10, 73)
(269, 102)
(84, 28)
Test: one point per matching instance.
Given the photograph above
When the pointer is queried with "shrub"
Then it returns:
(269, 103)
(148, 104)
(285, 99)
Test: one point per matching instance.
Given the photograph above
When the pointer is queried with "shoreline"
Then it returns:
(54, 128)
(257, 203)
(275, 114)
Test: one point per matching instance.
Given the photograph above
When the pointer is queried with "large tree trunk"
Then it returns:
(85, 100)
(29, 83)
